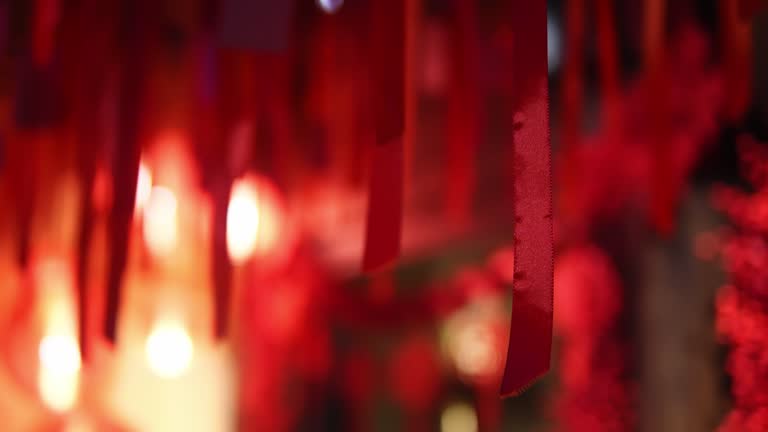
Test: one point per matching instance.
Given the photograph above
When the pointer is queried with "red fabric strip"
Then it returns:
(134, 34)
(256, 25)
(463, 114)
(530, 337)
(385, 199)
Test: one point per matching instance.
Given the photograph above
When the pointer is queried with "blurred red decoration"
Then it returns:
(415, 375)
(742, 306)
(595, 394)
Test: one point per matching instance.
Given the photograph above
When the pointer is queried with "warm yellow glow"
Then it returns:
(242, 221)
(169, 349)
(143, 187)
(474, 351)
(160, 221)
(460, 417)
(58, 353)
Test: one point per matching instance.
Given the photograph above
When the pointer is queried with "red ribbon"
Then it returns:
(385, 199)
(530, 338)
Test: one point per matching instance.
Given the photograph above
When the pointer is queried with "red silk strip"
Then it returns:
(737, 54)
(256, 25)
(385, 198)
(749, 8)
(530, 337)
(135, 32)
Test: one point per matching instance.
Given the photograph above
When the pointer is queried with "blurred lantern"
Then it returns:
(330, 6)
(160, 222)
(255, 220)
(58, 352)
(143, 187)
(169, 348)
(475, 340)
(459, 417)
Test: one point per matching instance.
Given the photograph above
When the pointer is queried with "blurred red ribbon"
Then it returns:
(530, 338)
(385, 199)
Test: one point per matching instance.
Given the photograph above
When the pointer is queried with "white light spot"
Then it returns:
(169, 349)
(330, 6)
(242, 221)
(553, 44)
(160, 221)
(143, 188)
(58, 376)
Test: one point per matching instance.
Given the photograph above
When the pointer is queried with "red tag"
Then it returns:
(530, 337)
(385, 205)
(256, 25)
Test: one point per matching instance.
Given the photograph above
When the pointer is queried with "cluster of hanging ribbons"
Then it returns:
(261, 29)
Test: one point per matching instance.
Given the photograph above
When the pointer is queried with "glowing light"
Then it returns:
(58, 352)
(474, 351)
(330, 6)
(242, 221)
(160, 221)
(59, 374)
(554, 51)
(459, 417)
(169, 349)
(255, 220)
(143, 188)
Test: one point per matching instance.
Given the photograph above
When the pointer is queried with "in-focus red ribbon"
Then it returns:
(530, 337)
(385, 199)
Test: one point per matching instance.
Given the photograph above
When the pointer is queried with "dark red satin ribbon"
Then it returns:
(530, 338)
(385, 199)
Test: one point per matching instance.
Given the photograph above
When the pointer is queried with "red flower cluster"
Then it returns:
(742, 307)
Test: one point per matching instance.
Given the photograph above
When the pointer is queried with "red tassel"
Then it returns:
(530, 337)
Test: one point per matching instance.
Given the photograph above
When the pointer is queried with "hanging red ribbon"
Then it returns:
(530, 338)
(385, 205)
(255, 36)
(134, 36)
